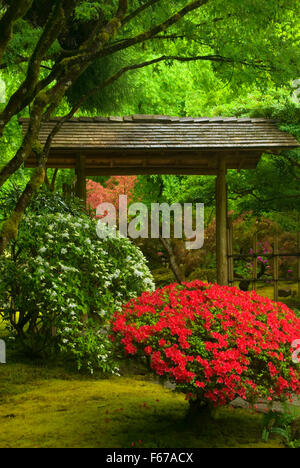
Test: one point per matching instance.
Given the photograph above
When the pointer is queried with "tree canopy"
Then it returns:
(152, 56)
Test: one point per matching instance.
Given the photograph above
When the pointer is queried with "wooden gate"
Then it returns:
(253, 257)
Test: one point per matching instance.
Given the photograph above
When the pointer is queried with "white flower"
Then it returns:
(138, 273)
(63, 251)
(116, 274)
(42, 250)
(66, 268)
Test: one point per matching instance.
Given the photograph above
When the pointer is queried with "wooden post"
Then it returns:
(276, 265)
(298, 265)
(254, 262)
(230, 252)
(81, 178)
(221, 224)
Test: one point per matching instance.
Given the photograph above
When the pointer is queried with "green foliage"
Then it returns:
(238, 33)
(60, 276)
(113, 100)
(282, 424)
(43, 202)
(255, 44)
(87, 11)
(263, 35)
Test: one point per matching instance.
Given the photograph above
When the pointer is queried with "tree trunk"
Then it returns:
(199, 413)
(10, 228)
(178, 273)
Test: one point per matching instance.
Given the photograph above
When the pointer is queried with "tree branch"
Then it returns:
(154, 31)
(294, 161)
(16, 10)
(138, 11)
(70, 68)
(215, 20)
(179, 275)
(114, 78)
(54, 95)
(122, 9)
(3, 66)
(10, 228)
(24, 95)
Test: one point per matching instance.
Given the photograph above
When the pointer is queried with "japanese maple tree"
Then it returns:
(114, 187)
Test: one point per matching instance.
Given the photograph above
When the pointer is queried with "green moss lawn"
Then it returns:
(52, 407)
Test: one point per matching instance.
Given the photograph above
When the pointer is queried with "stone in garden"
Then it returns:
(284, 292)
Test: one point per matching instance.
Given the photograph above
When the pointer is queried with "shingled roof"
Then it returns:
(157, 144)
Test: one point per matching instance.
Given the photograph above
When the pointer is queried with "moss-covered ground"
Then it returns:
(52, 407)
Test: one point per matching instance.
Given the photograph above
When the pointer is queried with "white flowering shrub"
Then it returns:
(61, 283)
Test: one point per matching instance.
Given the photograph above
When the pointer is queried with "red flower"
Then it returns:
(200, 384)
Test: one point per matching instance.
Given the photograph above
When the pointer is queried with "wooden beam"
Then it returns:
(152, 159)
(80, 171)
(142, 170)
(221, 224)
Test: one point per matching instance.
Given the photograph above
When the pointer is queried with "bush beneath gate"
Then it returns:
(61, 279)
(216, 343)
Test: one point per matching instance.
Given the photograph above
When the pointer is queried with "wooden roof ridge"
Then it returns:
(143, 118)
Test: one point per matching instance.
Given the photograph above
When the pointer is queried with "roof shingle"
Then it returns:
(135, 139)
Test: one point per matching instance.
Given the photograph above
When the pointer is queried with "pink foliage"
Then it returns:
(114, 187)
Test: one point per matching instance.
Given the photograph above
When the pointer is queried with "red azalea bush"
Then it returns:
(214, 342)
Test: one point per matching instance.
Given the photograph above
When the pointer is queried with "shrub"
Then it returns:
(209, 275)
(215, 343)
(43, 202)
(59, 276)
(114, 187)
